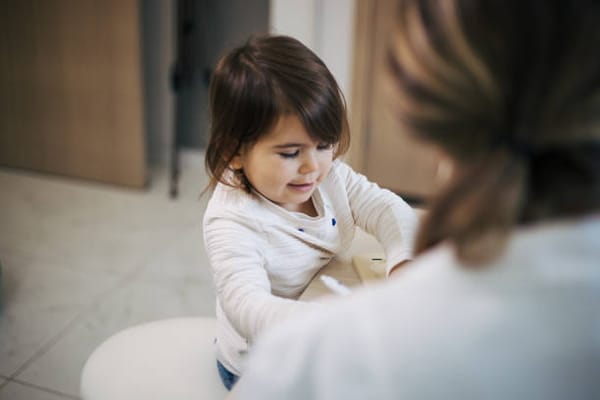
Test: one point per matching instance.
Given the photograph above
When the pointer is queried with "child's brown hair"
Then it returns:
(259, 82)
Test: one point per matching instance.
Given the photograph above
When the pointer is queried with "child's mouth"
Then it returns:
(301, 187)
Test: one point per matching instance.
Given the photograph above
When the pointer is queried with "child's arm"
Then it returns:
(241, 282)
(383, 214)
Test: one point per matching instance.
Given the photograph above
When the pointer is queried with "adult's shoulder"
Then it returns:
(351, 336)
(374, 307)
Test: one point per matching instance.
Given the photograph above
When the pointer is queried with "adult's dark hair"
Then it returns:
(259, 82)
(511, 90)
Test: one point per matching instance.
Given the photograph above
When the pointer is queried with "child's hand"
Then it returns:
(398, 267)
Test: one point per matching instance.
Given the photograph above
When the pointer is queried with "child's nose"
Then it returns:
(309, 163)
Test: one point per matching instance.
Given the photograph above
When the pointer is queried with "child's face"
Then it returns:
(286, 165)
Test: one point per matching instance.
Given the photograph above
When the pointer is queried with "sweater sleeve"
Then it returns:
(381, 213)
(241, 281)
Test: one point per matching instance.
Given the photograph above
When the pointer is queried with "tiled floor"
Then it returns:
(82, 261)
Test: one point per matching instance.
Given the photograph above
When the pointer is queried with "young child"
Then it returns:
(282, 205)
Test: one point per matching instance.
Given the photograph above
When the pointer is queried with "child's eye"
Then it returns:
(290, 155)
(324, 146)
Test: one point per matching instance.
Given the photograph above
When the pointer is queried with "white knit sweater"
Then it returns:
(263, 256)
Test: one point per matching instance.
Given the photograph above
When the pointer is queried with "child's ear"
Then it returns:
(236, 162)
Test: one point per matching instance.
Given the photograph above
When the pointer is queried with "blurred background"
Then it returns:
(103, 124)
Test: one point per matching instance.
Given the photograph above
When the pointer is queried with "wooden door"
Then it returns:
(381, 149)
(71, 89)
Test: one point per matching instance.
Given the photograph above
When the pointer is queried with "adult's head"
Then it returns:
(511, 91)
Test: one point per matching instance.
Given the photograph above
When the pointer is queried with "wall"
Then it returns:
(326, 26)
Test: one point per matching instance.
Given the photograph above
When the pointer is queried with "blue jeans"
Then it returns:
(227, 377)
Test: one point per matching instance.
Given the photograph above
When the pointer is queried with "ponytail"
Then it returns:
(505, 96)
(478, 209)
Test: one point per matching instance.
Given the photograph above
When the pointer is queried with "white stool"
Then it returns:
(170, 359)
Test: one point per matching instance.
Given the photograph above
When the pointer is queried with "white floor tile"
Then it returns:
(131, 305)
(17, 391)
(102, 229)
(184, 262)
(84, 260)
(39, 299)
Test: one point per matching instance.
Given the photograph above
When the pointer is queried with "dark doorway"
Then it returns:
(205, 30)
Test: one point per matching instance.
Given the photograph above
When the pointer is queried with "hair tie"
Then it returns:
(516, 147)
(520, 148)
